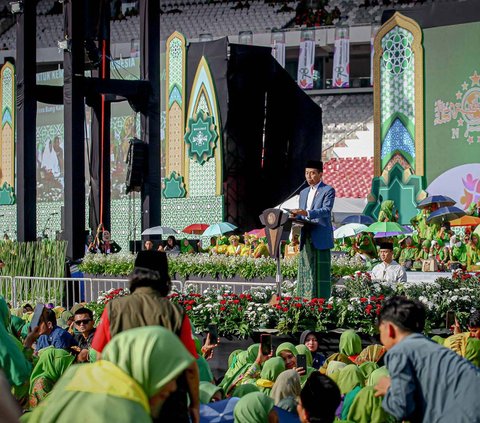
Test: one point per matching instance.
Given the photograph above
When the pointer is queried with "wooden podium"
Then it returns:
(276, 223)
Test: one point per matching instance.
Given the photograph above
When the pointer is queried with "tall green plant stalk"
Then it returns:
(35, 259)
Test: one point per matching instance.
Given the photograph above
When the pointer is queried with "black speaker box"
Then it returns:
(136, 165)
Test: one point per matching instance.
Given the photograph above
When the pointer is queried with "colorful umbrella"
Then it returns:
(259, 233)
(387, 234)
(219, 229)
(350, 229)
(160, 230)
(466, 221)
(219, 411)
(358, 218)
(445, 214)
(195, 228)
(441, 200)
(386, 227)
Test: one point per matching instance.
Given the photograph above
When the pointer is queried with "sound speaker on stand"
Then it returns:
(136, 165)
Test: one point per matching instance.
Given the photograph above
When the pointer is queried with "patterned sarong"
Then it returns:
(314, 279)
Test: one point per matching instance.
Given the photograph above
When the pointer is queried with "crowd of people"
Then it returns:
(430, 246)
(143, 362)
(233, 246)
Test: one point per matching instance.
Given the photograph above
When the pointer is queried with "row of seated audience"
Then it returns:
(252, 246)
(142, 363)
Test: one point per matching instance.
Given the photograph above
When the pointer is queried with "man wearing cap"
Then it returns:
(148, 305)
(388, 270)
(316, 238)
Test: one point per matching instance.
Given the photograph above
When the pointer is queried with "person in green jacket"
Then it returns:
(408, 252)
(137, 373)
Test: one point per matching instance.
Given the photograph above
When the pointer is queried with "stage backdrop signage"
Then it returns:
(452, 110)
(341, 58)
(306, 62)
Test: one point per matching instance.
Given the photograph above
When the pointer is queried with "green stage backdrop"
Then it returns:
(452, 111)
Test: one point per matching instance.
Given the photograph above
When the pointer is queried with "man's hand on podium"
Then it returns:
(298, 212)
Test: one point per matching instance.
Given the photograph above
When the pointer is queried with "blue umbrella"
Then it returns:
(219, 229)
(358, 218)
(445, 214)
(219, 411)
(285, 416)
(441, 200)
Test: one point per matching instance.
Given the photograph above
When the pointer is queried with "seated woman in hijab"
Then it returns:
(186, 248)
(365, 247)
(310, 340)
(128, 384)
(255, 408)
(286, 390)
(350, 344)
(366, 407)
(51, 365)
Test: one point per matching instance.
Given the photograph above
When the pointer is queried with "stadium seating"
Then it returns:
(351, 177)
(343, 115)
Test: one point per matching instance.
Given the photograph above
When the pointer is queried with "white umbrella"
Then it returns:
(160, 230)
(350, 229)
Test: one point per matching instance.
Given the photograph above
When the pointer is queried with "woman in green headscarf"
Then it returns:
(255, 408)
(288, 352)
(136, 374)
(387, 211)
(367, 408)
(51, 365)
(473, 252)
(244, 366)
(186, 248)
(365, 247)
(12, 360)
(242, 390)
(350, 344)
(349, 380)
(270, 371)
(210, 393)
(286, 389)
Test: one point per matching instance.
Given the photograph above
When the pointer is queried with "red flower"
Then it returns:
(236, 301)
(373, 298)
(363, 300)
(285, 309)
(222, 308)
(329, 306)
(298, 305)
(320, 308)
(381, 297)
(223, 302)
(378, 311)
(188, 307)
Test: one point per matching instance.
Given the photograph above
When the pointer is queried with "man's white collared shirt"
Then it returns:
(311, 196)
(392, 272)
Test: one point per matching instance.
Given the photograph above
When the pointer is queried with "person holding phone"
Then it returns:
(289, 354)
(466, 344)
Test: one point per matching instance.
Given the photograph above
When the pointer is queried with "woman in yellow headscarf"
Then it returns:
(136, 374)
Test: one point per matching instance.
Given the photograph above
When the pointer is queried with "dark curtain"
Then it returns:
(269, 116)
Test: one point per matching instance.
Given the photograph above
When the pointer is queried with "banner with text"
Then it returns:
(341, 59)
(306, 62)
